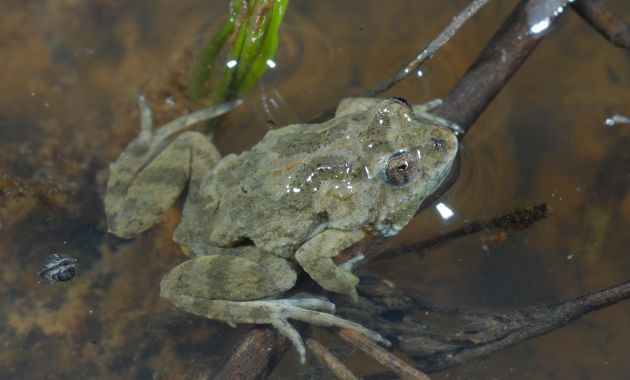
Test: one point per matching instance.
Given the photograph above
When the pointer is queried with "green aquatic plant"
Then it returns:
(252, 29)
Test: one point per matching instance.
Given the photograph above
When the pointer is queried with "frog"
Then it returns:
(251, 222)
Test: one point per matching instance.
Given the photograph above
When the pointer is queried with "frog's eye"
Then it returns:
(401, 168)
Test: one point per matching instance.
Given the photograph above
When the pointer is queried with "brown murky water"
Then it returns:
(68, 71)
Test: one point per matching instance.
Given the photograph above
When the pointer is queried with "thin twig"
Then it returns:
(471, 334)
(442, 38)
(498, 61)
(512, 327)
(329, 360)
(517, 219)
(596, 13)
(381, 355)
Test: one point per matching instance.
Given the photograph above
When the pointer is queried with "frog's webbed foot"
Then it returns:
(314, 311)
(149, 143)
(151, 173)
(424, 111)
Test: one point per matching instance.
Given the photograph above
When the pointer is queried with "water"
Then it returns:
(69, 70)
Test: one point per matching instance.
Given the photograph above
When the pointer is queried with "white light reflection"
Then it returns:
(616, 119)
(420, 73)
(540, 26)
(367, 171)
(231, 63)
(445, 211)
(271, 63)
(540, 15)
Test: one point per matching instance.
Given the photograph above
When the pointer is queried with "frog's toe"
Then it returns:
(329, 320)
(319, 304)
(308, 310)
(285, 328)
(350, 264)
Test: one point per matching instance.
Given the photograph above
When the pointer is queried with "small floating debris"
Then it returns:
(616, 119)
(58, 268)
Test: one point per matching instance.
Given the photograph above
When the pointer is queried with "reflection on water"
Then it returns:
(67, 109)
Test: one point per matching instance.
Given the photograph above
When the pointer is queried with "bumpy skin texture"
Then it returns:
(301, 195)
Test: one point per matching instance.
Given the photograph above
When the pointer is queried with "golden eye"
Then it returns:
(401, 168)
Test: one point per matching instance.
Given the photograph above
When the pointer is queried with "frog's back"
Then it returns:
(266, 194)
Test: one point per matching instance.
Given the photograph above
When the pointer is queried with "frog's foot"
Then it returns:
(349, 265)
(306, 310)
(149, 143)
(155, 168)
(276, 313)
(424, 111)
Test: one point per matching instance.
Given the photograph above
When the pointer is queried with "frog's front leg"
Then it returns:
(231, 288)
(151, 173)
(315, 256)
(424, 111)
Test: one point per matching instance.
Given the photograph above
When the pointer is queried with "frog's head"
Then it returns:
(410, 157)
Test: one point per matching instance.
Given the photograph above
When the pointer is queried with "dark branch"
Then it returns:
(518, 219)
(604, 21)
(474, 334)
(253, 359)
(498, 61)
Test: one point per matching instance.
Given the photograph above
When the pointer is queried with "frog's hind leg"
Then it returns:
(276, 313)
(149, 174)
(231, 288)
(133, 207)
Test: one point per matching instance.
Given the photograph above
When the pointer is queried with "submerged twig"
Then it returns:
(479, 333)
(517, 219)
(329, 360)
(596, 13)
(446, 34)
(250, 360)
(381, 355)
(498, 61)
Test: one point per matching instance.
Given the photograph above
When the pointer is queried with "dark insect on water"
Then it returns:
(58, 268)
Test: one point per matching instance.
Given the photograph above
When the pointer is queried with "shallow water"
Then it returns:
(68, 72)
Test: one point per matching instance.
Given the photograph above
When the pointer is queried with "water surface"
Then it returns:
(68, 72)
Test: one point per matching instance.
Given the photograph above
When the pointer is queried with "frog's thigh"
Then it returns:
(315, 256)
(230, 278)
(133, 207)
(349, 106)
(228, 288)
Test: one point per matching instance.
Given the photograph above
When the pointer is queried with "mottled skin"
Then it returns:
(297, 198)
